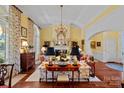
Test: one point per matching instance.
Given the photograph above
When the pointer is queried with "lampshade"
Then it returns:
(75, 51)
(24, 43)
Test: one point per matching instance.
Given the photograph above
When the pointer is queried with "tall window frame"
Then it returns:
(2, 43)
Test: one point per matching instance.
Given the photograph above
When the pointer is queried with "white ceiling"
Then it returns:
(78, 15)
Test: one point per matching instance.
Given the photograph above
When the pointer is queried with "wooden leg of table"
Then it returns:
(46, 75)
(72, 76)
(52, 76)
(78, 76)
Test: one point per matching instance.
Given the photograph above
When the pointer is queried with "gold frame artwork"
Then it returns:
(24, 32)
(98, 44)
(93, 44)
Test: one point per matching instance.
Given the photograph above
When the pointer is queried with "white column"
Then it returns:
(87, 47)
(36, 41)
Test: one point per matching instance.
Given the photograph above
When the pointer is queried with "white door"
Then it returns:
(122, 52)
(122, 47)
(110, 53)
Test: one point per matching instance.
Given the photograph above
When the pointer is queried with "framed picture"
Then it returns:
(82, 41)
(93, 44)
(47, 43)
(74, 43)
(98, 44)
(23, 32)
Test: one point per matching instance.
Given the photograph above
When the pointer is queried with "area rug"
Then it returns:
(36, 75)
(16, 79)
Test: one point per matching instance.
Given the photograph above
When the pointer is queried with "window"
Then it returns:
(2, 44)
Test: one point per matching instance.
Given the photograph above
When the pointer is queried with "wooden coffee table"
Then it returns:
(56, 67)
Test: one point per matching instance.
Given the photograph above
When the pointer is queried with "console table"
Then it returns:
(56, 67)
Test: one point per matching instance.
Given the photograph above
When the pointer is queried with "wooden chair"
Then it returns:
(6, 71)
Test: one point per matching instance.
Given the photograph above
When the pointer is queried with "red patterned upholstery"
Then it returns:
(4, 86)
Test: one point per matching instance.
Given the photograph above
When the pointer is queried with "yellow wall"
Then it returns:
(46, 34)
(98, 38)
(75, 34)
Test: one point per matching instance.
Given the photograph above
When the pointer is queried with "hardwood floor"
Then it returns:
(102, 71)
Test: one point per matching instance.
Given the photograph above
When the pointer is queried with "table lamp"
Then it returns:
(25, 46)
(50, 52)
(75, 52)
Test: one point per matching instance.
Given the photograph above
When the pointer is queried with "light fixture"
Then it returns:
(25, 44)
(24, 47)
(61, 27)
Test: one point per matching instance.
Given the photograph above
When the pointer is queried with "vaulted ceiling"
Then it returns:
(77, 15)
(87, 17)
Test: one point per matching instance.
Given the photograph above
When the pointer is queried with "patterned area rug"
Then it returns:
(36, 75)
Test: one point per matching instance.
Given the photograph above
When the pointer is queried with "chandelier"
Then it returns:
(61, 28)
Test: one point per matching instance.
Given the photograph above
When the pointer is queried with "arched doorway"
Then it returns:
(111, 45)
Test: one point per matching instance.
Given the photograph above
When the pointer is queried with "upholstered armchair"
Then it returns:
(84, 73)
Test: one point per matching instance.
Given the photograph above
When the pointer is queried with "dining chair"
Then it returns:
(6, 71)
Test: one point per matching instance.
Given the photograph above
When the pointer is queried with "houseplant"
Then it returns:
(30, 47)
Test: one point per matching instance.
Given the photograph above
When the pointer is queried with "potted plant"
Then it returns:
(92, 58)
(30, 47)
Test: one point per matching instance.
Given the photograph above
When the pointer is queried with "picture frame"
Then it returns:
(47, 43)
(98, 44)
(82, 41)
(93, 44)
(24, 32)
(74, 43)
